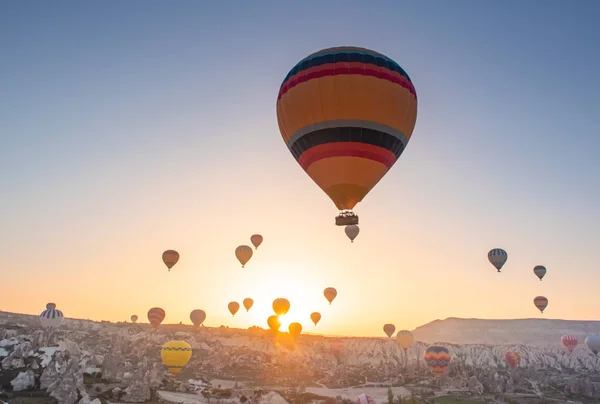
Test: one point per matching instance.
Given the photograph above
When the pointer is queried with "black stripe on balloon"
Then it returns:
(347, 134)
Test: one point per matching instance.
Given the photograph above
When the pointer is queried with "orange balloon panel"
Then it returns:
(346, 114)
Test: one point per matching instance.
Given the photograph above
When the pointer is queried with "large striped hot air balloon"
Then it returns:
(346, 114)
(438, 359)
(156, 315)
(51, 319)
(405, 338)
(175, 355)
(498, 257)
(512, 359)
(569, 342)
(541, 303)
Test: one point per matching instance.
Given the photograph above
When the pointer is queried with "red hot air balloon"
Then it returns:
(156, 315)
(512, 359)
(569, 342)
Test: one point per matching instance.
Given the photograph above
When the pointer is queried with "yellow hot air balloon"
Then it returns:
(175, 355)
(233, 307)
(248, 303)
(243, 254)
(170, 258)
(315, 317)
(405, 338)
(330, 294)
(295, 329)
(346, 114)
(281, 306)
(274, 323)
(256, 240)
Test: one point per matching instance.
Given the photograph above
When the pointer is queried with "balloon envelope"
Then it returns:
(156, 315)
(498, 257)
(438, 359)
(281, 306)
(315, 317)
(405, 338)
(170, 258)
(389, 329)
(197, 317)
(51, 319)
(512, 359)
(274, 323)
(330, 294)
(352, 231)
(346, 114)
(593, 343)
(233, 307)
(541, 303)
(295, 329)
(256, 240)
(248, 303)
(570, 342)
(243, 253)
(539, 271)
(134, 318)
(50, 306)
(175, 355)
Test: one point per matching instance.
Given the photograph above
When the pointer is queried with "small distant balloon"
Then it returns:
(539, 271)
(281, 306)
(330, 294)
(405, 338)
(541, 303)
(512, 359)
(170, 258)
(365, 399)
(248, 303)
(295, 329)
(497, 257)
(593, 343)
(233, 307)
(389, 329)
(50, 306)
(156, 315)
(175, 355)
(134, 318)
(438, 359)
(51, 319)
(274, 323)
(352, 231)
(315, 317)
(197, 317)
(243, 254)
(256, 240)
(570, 342)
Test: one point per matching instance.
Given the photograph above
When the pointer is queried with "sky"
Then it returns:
(130, 128)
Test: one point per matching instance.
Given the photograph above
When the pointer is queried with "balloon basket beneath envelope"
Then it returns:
(346, 218)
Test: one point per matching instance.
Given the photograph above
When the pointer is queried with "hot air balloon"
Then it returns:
(315, 317)
(281, 306)
(156, 315)
(539, 271)
(352, 231)
(569, 342)
(274, 323)
(593, 342)
(405, 338)
(438, 359)
(50, 306)
(497, 257)
(346, 115)
(365, 399)
(295, 329)
(175, 355)
(512, 359)
(170, 258)
(330, 294)
(389, 329)
(243, 254)
(256, 240)
(248, 303)
(197, 317)
(134, 318)
(233, 307)
(541, 303)
(51, 319)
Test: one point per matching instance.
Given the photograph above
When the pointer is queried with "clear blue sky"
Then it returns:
(127, 128)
